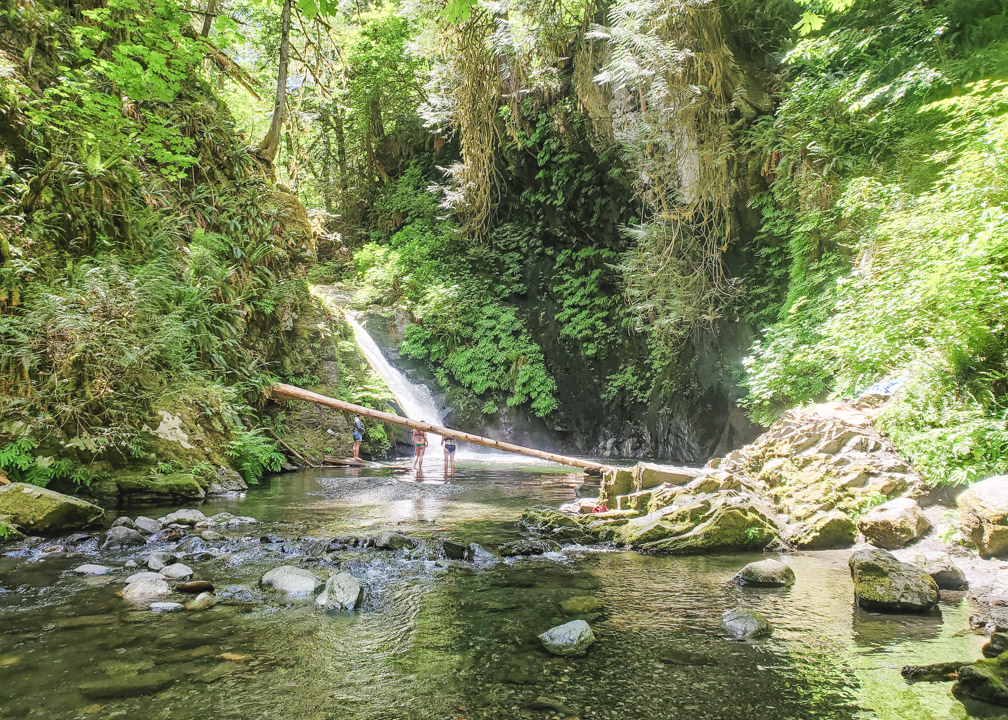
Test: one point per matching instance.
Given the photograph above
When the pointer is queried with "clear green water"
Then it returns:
(450, 640)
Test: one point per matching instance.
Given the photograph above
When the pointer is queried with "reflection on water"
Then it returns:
(450, 640)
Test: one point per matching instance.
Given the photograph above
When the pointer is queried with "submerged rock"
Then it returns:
(768, 573)
(203, 601)
(983, 515)
(745, 624)
(571, 639)
(146, 589)
(87, 569)
(583, 605)
(518, 548)
(394, 541)
(894, 524)
(120, 537)
(935, 672)
(881, 582)
(342, 592)
(985, 680)
(185, 516)
(291, 580)
(166, 607)
(38, 510)
(123, 685)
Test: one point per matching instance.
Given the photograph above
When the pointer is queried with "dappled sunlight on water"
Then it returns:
(437, 639)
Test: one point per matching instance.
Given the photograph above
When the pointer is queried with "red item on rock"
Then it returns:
(600, 508)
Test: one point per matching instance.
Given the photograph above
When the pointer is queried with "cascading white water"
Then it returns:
(418, 403)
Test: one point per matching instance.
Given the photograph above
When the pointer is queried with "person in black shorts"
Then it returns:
(449, 454)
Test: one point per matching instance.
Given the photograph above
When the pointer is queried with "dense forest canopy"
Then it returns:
(564, 200)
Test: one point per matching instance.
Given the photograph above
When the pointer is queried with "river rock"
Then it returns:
(342, 592)
(92, 570)
(147, 525)
(935, 672)
(120, 537)
(226, 481)
(291, 580)
(744, 623)
(720, 521)
(185, 516)
(518, 548)
(997, 644)
(123, 685)
(985, 680)
(571, 639)
(38, 510)
(146, 590)
(166, 535)
(157, 560)
(166, 607)
(825, 530)
(394, 541)
(894, 524)
(585, 605)
(145, 575)
(203, 601)
(883, 583)
(452, 550)
(765, 573)
(983, 515)
(946, 573)
(177, 571)
(195, 587)
(124, 521)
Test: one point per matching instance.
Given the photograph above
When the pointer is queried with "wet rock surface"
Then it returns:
(342, 592)
(765, 573)
(883, 583)
(572, 639)
(34, 509)
(291, 580)
(746, 624)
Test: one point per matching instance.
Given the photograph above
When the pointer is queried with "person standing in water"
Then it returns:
(358, 435)
(449, 454)
(420, 445)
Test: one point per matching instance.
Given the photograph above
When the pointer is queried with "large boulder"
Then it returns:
(342, 592)
(745, 624)
(765, 573)
(722, 521)
(985, 680)
(881, 582)
(291, 580)
(571, 639)
(894, 524)
(520, 548)
(983, 515)
(825, 530)
(37, 510)
(650, 475)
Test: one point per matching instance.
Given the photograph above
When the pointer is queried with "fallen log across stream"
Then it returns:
(282, 391)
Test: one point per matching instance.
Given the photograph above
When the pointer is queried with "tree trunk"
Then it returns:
(211, 11)
(270, 143)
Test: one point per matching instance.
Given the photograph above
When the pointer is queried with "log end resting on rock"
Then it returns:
(283, 391)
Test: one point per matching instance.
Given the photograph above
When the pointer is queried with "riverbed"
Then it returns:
(451, 639)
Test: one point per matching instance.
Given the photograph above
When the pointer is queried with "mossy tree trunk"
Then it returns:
(269, 145)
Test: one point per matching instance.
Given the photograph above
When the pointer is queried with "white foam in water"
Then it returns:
(418, 403)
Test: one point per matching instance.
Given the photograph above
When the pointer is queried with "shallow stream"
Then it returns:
(444, 639)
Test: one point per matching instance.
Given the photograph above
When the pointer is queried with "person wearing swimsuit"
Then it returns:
(420, 445)
(449, 455)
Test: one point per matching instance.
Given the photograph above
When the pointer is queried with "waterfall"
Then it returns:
(418, 403)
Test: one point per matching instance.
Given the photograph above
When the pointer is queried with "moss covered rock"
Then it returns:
(983, 515)
(894, 524)
(824, 531)
(716, 522)
(38, 510)
(985, 680)
(128, 487)
(881, 582)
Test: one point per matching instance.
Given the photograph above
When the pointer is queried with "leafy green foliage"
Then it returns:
(253, 454)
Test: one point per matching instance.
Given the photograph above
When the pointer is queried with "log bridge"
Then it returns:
(283, 391)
